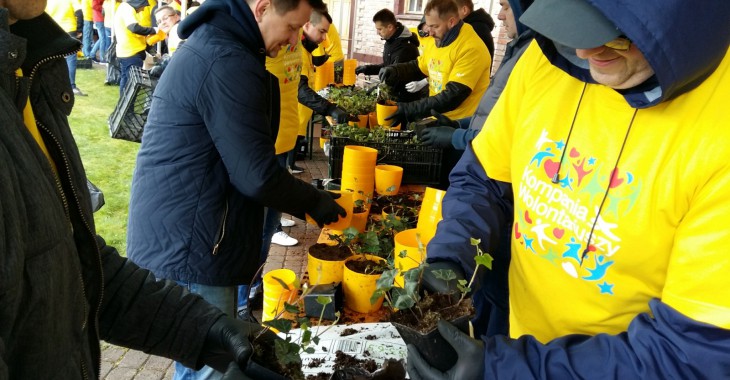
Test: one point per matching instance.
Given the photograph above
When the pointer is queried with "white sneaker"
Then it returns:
(287, 222)
(281, 238)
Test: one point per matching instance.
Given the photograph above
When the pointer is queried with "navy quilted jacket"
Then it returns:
(206, 167)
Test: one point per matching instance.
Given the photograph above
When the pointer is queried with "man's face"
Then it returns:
(437, 27)
(317, 33)
(166, 19)
(280, 29)
(385, 31)
(23, 9)
(615, 68)
(507, 18)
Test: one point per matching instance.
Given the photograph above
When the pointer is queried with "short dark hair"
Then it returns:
(284, 6)
(468, 3)
(317, 15)
(385, 16)
(442, 7)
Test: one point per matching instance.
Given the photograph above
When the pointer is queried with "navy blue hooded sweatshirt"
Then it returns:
(684, 43)
(206, 166)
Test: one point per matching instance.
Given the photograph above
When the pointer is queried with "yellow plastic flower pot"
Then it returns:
(430, 213)
(384, 111)
(280, 285)
(388, 179)
(406, 241)
(359, 221)
(323, 271)
(362, 121)
(359, 287)
(348, 72)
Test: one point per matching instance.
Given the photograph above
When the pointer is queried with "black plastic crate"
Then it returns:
(421, 163)
(129, 116)
(83, 63)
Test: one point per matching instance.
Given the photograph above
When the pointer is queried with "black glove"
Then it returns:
(360, 70)
(469, 365)
(228, 341)
(434, 284)
(320, 60)
(326, 210)
(338, 114)
(438, 137)
(234, 373)
(444, 121)
(388, 75)
(400, 116)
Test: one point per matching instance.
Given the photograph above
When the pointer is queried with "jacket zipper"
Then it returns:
(221, 230)
(66, 207)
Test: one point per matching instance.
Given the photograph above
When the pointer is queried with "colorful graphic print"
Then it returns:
(292, 64)
(435, 75)
(554, 220)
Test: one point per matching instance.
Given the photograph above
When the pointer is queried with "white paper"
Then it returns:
(377, 341)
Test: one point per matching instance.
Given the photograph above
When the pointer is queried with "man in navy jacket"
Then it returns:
(207, 164)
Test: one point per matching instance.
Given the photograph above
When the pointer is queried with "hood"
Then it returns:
(402, 32)
(683, 42)
(233, 16)
(138, 3)
(518, 7)
(480, 16)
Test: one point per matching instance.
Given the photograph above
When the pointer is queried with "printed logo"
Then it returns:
(554, 220)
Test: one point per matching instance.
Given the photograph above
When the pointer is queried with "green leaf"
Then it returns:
(281, 282)
(306, 337)
(403, 254)
(485, 259)
(309, 350)
(289, 308)
(390, 188)
(386, 280)
(474, 241)
(324, 300)
(283, 325)
(376, 296)
(444, 274)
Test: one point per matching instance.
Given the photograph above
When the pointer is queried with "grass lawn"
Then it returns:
(109, 162)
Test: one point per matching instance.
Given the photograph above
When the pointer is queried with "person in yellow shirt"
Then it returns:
(599, 183)
(131, 33)
(63, 13)
(457, 67)
(87, 36)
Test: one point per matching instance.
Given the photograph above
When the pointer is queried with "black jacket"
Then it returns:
(206, 167)
(61, 288)
(483, 24)
(401, 47)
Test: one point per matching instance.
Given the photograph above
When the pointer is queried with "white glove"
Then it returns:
(416, 86)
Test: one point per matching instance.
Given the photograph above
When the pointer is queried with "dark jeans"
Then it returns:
(124, 65)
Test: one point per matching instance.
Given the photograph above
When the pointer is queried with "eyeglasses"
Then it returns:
(621, 43)
(163, 19)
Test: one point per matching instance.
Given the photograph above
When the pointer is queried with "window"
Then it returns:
(414, 6)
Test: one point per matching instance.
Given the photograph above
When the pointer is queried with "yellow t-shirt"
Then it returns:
(62, 12)
(287, 67)
(331, 45)
(662, 232)
(466, 60)
(86, 10)
(145, 16)
(128, 43)
(110, 8)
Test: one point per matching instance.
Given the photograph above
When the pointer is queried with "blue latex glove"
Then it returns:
(469, 365)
